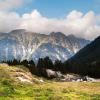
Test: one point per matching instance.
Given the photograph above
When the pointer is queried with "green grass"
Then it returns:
(49, 90)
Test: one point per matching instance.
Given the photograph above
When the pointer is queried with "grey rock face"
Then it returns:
(20, 44)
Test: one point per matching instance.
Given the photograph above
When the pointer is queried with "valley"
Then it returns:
(49, 49)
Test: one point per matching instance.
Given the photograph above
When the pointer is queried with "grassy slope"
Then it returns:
(13, 90)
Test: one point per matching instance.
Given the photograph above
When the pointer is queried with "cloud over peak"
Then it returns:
(82, 25)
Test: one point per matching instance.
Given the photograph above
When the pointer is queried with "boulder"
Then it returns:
(51, 73)
(54, 74)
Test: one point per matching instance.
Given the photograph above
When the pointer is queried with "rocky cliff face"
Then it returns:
(20, 44)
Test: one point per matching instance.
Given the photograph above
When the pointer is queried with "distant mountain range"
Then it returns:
(21, 44)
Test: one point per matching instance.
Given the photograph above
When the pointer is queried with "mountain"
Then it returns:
(21, 44)
(87, 60)
(90, 53)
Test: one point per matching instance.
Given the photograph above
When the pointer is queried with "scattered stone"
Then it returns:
(41, 80)
(23, 79)
(76, 78)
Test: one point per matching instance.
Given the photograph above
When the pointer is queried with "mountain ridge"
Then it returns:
(27, 44)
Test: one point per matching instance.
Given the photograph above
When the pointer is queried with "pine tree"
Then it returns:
(48, 63)
(58, 65)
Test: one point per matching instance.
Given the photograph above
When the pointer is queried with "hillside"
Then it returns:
(89, 54)
(87, 60)
(16, 74)
(13, 88)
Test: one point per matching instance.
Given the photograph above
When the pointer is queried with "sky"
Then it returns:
(78, 17)
(59, 8)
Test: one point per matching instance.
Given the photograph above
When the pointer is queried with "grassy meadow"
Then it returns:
(11, 89)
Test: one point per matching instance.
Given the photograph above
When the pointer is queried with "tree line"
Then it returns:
(90, 69)
(41, 66)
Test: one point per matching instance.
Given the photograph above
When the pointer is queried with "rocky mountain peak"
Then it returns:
(18, 31)
(57, 34)
(29, 45)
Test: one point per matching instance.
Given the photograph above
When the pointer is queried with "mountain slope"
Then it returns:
(87, 60)
(53, 51)
(21, 44)
(90, 53)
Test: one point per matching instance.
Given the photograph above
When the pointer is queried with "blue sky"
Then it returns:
(59, 8)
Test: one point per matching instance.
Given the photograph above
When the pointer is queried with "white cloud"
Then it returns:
(9, 21)
(75, 23)
(10, 4)
(82, 25)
